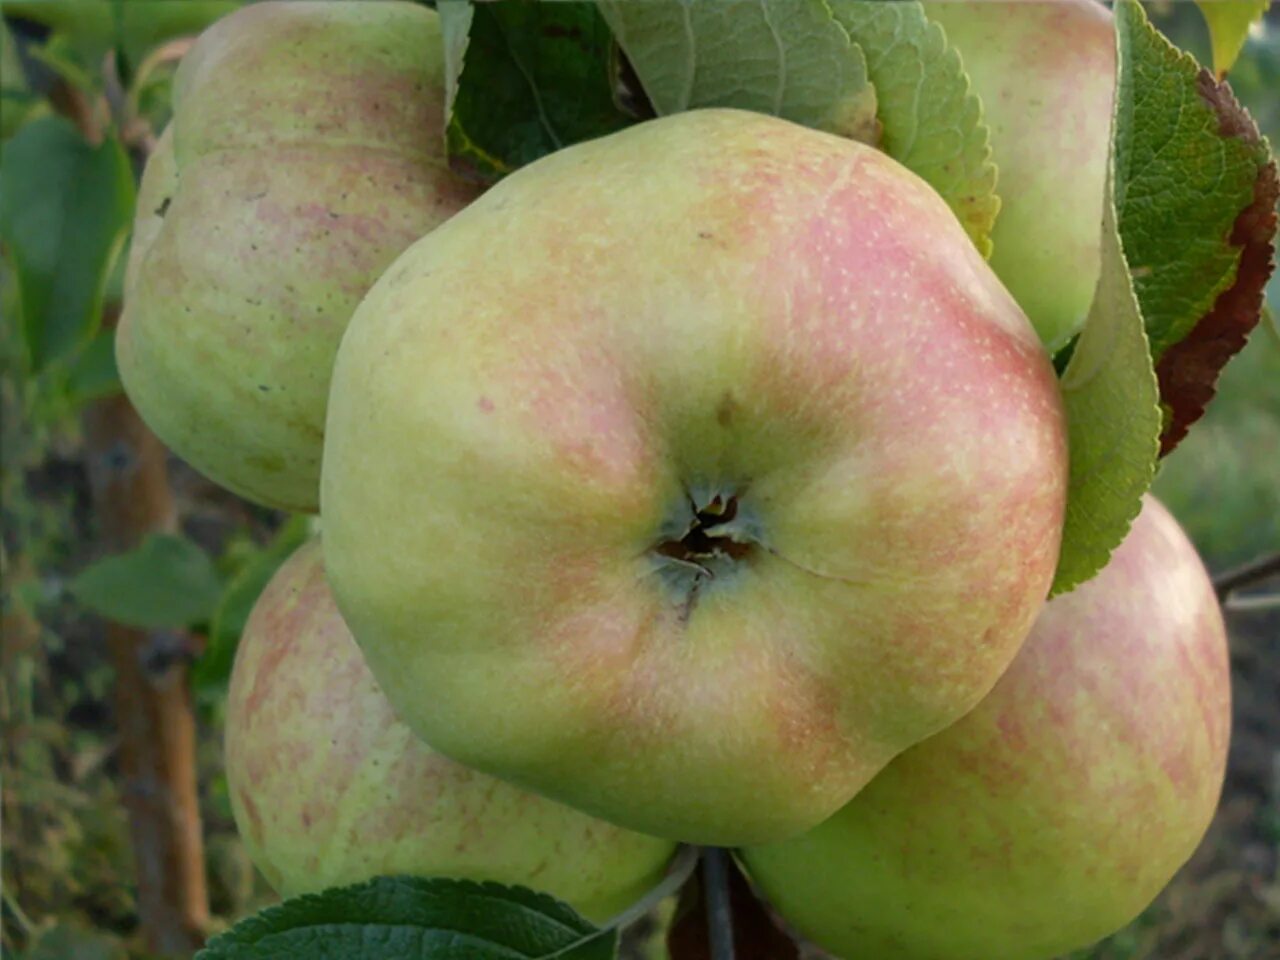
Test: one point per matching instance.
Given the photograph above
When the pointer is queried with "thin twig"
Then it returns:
(715, 879)
(677, 875)
(1256, 570)
(1253, 602)
(19, 914)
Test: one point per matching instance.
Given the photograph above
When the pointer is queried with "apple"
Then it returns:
(1052, 814)
(329, 788)
(1045, 72)
(305, 153)
(691, 474)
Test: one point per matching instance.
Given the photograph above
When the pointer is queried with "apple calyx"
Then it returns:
(709, 539)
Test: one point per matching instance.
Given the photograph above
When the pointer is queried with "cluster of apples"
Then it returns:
(697, 484)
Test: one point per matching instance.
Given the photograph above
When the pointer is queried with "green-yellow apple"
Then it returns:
(1052, 814)
(691, 474)
(1045, 72)
(304, 155)
(329, 788)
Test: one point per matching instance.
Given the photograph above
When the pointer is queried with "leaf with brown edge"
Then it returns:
(1188, 370)
(1192, 177)
(755, 935)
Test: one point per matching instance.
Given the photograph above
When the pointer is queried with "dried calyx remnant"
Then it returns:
(711, 544)
(710, 547)
(701, 543)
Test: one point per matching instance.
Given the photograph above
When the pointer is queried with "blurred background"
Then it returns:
(124, 669)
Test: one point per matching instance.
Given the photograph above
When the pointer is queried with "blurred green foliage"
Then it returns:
(65, 209)
(89, 28)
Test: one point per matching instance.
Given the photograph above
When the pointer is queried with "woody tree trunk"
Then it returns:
(132, 499)
(153, 707)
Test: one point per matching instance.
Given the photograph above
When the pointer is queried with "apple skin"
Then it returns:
(1052, 814)
(304, 155)
(329, 788)
(531, 401)
(1045, 72)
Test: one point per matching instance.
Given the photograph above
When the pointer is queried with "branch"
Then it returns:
(1255, 571)
(153, 708)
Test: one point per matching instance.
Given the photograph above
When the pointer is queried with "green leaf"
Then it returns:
(396, 918)
(788, 58)
(84, 26)
(65, 208)
(1113, 421)
(1109, 386)
(455, 29)
(213, 669)
(71, 939)
(1180, 183)
(17, 101)
(93, 373)
(144, 26)
(1190, 213)
(11, 74)
(1198, 219)
(931, 122)
(168, 581)
(1229, 22)
(62, 58)
(93, 27)
(523, 80)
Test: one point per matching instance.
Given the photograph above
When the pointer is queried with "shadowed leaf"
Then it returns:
(523, 80)
(168, 581)
(65, 207)
(395, 918)
(786, 58)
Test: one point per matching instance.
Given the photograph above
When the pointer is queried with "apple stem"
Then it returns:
(715, 877)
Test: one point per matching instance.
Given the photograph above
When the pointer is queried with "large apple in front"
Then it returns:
(691, 474)
(1045, 71)
(329, 788)
(305, 153)
(1052, 814)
